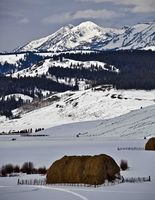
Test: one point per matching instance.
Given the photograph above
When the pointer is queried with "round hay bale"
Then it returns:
(92, 170)
(150, 145)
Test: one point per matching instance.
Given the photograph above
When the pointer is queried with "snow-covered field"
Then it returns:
(43, 151)
(78, 106)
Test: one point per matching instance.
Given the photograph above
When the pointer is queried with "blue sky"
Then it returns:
(24, 20)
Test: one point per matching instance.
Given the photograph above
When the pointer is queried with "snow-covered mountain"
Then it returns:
(88, 35)
(100, 103)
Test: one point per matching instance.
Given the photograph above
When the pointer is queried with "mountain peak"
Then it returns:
(87, 24)
(90, 36)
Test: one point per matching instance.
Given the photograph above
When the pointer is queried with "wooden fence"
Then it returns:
(31, 182)
(117, 181)
(43, 182)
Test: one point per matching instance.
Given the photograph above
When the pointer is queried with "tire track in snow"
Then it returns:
(65, 190)
(50, 188)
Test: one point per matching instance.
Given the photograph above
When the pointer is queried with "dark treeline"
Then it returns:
(6, 105)
(122, 59)
(137, 68)
(95, 75)
(30, 85)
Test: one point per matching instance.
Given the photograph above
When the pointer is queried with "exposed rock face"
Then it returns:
(83, 169)
(150, 145)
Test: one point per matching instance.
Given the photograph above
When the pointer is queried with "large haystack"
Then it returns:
(150, 145)
(83, 169)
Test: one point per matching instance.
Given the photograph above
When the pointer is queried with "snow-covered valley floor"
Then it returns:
(42, 151)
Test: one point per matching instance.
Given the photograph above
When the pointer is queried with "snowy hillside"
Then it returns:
(138, 123)
(135, 124)
(88, 35)
(62, 108)
(13, 62)
(13, 59)
(43, 67)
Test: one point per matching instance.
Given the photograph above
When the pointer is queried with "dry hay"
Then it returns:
(150, 145)
(83, 169)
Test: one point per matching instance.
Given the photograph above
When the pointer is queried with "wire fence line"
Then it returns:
(130, 148)
(106, 183)
(136, 180)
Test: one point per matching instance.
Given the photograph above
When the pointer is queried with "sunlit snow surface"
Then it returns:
(81, 106)
(44, 151)
(11, 59)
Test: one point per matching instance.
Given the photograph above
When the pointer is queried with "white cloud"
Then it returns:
(80, 14)
(24, 20)
(139, 6)
(94, 14)
(57, 18)
(144, 6)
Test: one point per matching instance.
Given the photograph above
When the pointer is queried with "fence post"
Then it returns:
(149, 178)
